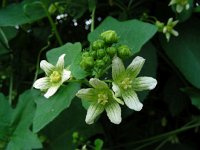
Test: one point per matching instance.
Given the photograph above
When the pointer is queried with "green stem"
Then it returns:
(165, 135)
(93, 17)
(53, 25)
(162, 144)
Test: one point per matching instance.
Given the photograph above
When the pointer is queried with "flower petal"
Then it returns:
(98, 84)
(93, 111)
(113, 111)
(66, 75)
(87, 94)
(179, 8)
(144, 83)
(117, 68)
(172, 2)
(51, 91)
(47, 67)
(61, 62)
(42, 83)
(131, 100)
(117, 99)
(135, 67)
(116, 89)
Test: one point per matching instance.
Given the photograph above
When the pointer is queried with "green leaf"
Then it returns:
(60, 131)
(133, 33)
(72, 58)
(48, 109)
(184, 51)
(21, 13)
(6, 117)
(21, 136)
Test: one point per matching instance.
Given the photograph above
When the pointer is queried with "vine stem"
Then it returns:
(164, 135)
(53, 25)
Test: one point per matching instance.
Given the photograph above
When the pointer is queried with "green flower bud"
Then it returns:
(87, 62)
(101, 53)
(111, 51)
(85, 54)
(93, 54)
(98, 44)
(160, 25)
(109, 36)
(99, 63)
(106, 59)
(124, 51)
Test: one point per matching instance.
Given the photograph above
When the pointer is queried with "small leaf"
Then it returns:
(48, 109)
(134, 34)
(98, 144)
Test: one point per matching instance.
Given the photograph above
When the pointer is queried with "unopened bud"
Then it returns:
(101, 53)
(109, 36)
(98, 44)
(111, 51)
(124, 51)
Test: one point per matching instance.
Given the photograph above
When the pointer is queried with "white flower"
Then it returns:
(169, 28)
(180, 5)
(55, 76)
(126, 83)
(101, 98)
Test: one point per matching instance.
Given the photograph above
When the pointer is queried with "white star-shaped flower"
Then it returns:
(55, 76)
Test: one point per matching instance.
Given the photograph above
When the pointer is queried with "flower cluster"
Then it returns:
(167, 29)
(100, 53)
(120, 90)
(125, 83)
(180, 5)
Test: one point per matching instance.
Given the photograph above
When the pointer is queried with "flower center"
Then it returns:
(126, 84)
(55, 77)
(102, 99)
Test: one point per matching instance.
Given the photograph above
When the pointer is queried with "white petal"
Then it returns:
(93, 111)
(87, 94)
(131, 100)
(144, 83)
(174, 32)
(167, 35)
(113, 111)
(42, 83)
(187, 6)
(51, 91)
(172, 2)
(165, 29)
(116, 89)
(179, 8)
(66, 75)
(135, 67)
(98, 84)
(117, 68)
(117, 99)
(47, 67)
(61, 62)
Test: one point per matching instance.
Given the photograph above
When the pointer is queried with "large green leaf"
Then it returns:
(59, 132)
(48, 109)
(21, 13)
(184, 51)
(21, 136)
(134, 33)
(72, 58)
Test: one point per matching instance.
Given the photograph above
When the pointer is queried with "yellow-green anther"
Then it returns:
(126, 84)
(55, 77)
(102, 99)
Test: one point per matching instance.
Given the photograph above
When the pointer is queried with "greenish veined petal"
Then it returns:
(93, 111)
(89, 94)
(47, 67)
(97, 84)
(131, 100)
(42, 83)
(172, 2)
(144, 83)
(113, 111)
(65, 75)
(135, 67)
(60, 62)
(116, 89)
(118, 68)
(179, 8)
(117, 99)
(51, 91)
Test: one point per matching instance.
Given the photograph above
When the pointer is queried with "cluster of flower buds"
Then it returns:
(101, 52)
